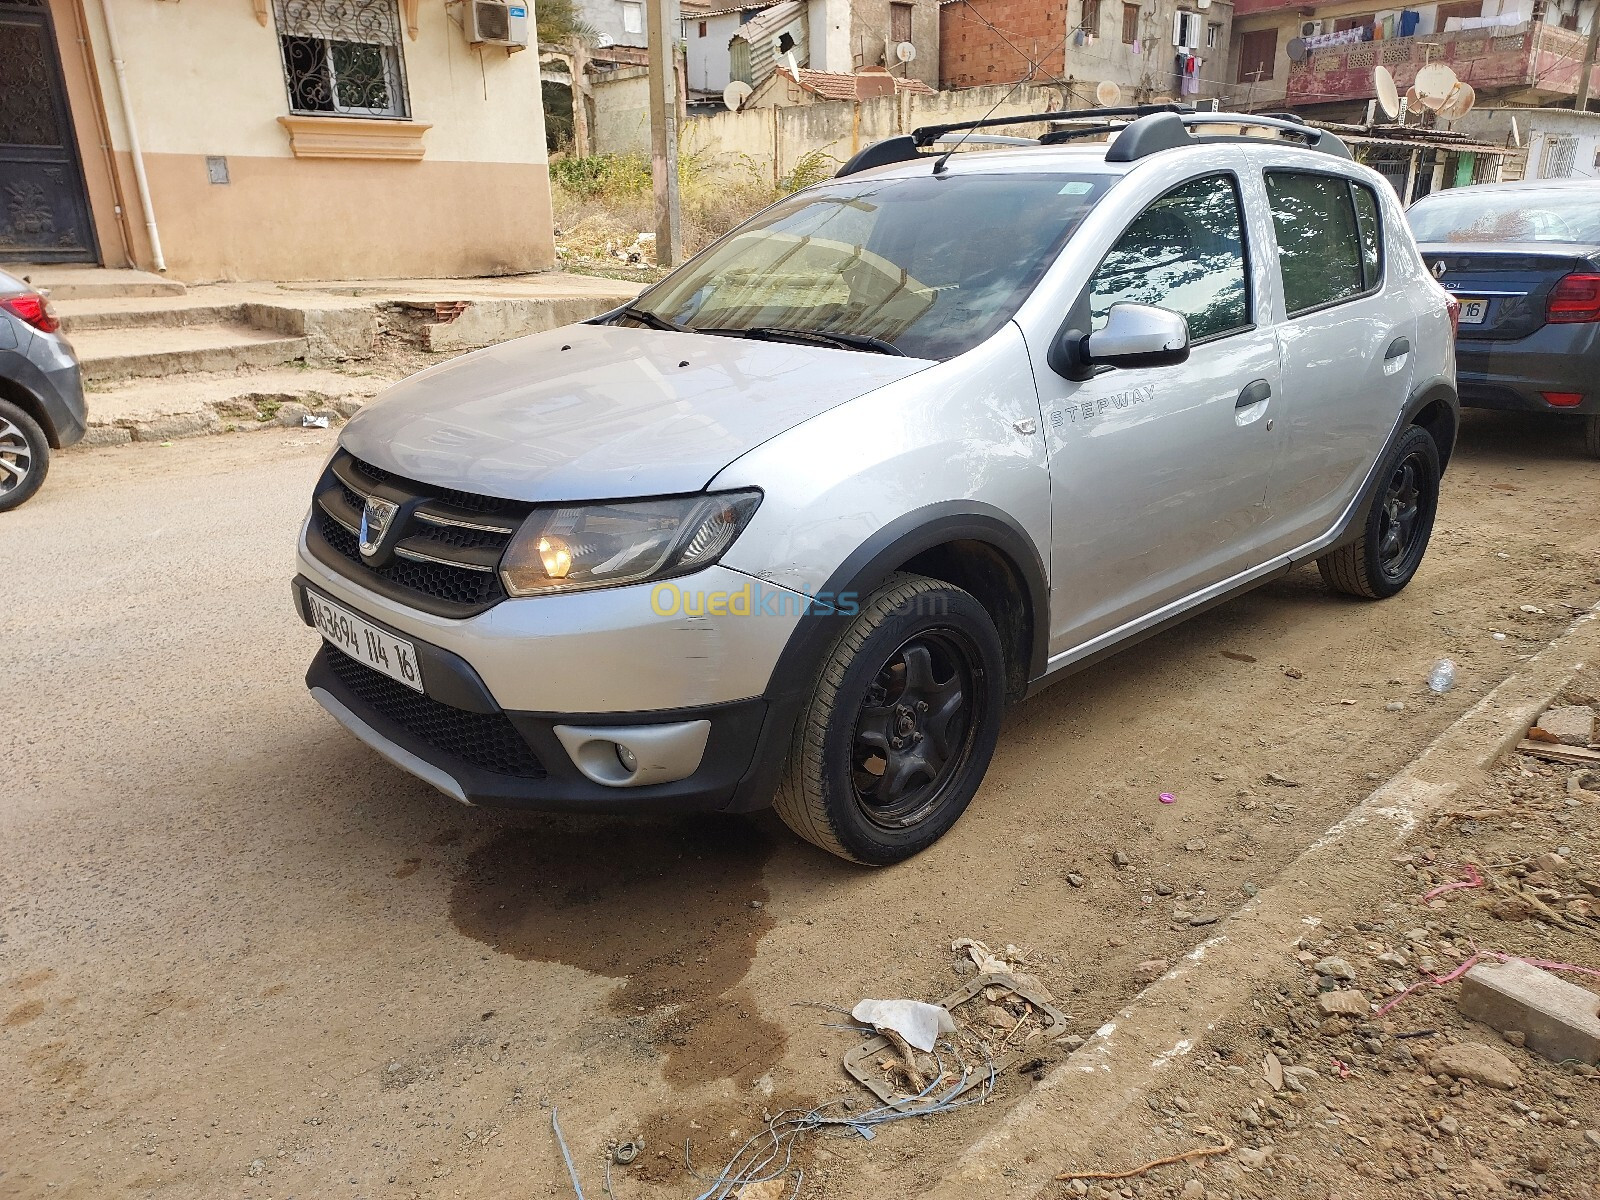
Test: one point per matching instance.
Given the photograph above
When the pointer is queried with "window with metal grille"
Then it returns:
(1091, 17)
(342, 57)
(1556, 162)
(1130, 24)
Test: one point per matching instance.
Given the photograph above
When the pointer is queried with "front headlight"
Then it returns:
(604, 545)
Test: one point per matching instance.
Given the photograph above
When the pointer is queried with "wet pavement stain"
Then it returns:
(675, 910)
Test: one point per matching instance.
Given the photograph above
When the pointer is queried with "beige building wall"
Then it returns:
(206, 79)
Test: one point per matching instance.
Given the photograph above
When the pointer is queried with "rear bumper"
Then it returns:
(1511, 376)
(458, 739)
(52, 378)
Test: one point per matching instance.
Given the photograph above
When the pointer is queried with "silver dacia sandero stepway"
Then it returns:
(795, 526)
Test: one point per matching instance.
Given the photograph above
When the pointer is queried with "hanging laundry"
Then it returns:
(1409, 20)
(1191, 76)
(1137, 49)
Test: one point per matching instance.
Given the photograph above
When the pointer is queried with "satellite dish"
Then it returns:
(735, 94)
(1459, 103)
(1409, 103)
(1388, 94)
(1107, 94)
(1298, 51)
(1433, 84)
(905, 52)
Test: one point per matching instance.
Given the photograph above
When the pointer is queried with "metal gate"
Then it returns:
(44, 207)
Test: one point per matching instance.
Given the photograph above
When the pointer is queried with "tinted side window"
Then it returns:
(1321, 253)
(1185, 253)
(1371, 235)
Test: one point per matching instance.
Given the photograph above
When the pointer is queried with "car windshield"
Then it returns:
(1531, 215)
(927, 267)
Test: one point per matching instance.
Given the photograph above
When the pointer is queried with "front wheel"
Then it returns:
(1395, 535)
(899, 730)
(1591, 435)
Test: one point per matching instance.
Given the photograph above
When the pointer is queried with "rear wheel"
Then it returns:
(1395, 535)
(1591, 435)
(24, 456)
(900, 727)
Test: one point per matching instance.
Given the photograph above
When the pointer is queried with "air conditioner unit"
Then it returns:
(497, 23)
(1310, 28)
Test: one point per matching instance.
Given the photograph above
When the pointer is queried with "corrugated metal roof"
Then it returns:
(770, 21)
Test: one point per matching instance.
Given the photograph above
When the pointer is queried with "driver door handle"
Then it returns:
(1254, 393)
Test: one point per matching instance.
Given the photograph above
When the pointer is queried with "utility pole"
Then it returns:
(662, 37)
(1587, 69)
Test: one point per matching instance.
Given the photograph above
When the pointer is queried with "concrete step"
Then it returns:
(74, 282)
(129, 353)
(122, 312)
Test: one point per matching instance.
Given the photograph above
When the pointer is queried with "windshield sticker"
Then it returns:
(1076, 188)
(1085, 411)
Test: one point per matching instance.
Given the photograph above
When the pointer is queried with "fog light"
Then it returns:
(1562, 399)
(629, 761)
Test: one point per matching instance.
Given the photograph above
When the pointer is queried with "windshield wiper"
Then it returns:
(645, 317)
(841, 341)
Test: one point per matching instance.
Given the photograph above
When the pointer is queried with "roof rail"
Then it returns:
(1156, 127)
(1168, 131)
(909, 147)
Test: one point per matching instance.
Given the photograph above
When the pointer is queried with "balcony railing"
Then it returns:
(1541, 58)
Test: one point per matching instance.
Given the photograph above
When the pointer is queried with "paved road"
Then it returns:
(240, 954)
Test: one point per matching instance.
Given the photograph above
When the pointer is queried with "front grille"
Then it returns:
(486, 740)
(444, 556)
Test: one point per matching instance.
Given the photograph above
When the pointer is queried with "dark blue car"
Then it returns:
(1523, 260)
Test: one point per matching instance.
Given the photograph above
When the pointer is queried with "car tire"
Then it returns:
(24, 456)
(1395, 532)
(895, 738)
(1591, 435)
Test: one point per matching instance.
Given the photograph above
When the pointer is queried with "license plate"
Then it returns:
(1473, 311)
(365, 642)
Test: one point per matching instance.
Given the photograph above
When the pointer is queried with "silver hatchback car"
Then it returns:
(796, 525)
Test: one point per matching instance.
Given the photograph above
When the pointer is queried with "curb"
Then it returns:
(224, 418)
(1080, 1100)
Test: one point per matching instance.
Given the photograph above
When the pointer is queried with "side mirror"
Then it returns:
(1135, 335)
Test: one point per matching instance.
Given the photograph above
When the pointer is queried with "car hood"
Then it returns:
(596, 412)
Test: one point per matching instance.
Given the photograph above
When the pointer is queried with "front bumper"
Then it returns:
(1511, 375)
(458, 738)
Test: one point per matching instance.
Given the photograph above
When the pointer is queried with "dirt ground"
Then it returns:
(1362, 1109)
(241, 955)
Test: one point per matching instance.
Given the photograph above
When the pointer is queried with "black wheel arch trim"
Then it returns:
(895, 544)
(1420, 401)
(863, 571)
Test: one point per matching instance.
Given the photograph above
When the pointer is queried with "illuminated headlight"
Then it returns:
(605, 545)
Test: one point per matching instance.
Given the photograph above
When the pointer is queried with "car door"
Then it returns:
(1159, 475)
(1347, 334)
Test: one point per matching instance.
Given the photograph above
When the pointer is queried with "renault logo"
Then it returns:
(1439, 269)
(375, 519)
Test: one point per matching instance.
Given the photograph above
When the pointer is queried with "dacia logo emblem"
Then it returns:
(375, 519)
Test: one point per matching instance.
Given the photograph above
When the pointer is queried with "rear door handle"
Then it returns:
(1254, 393)
(1398, 348)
